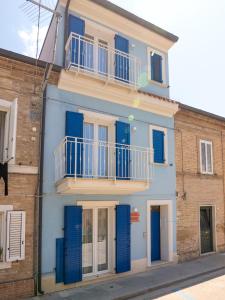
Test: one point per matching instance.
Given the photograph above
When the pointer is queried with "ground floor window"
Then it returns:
(12, 235)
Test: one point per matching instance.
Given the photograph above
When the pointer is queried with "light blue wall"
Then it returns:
(163, 186)
(139, 50)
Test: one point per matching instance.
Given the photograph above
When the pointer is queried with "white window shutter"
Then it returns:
(12, 130)
(15, 246)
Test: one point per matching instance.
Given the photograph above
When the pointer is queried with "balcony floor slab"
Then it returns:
(87, 186)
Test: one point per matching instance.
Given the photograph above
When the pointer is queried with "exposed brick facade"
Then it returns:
(193, 188)
(22, 81)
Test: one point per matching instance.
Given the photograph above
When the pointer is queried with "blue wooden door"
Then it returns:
(155, 233)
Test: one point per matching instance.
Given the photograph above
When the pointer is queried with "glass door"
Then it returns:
(87, 241)
(206, 226)
(95, 240)
(102, 239)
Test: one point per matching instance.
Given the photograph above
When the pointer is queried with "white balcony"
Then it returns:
(84, 55)
(85, 166)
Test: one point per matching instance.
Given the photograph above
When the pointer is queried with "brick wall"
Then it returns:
(22, 81)
(193, 188)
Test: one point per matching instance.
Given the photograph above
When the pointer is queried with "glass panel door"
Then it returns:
(88, 149)
(102, 247)
(103, 151)
(206, 226)
(87, 241)
(103, 58)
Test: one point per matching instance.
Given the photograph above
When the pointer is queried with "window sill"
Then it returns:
(163, 84)
(5, 265)
(207, 174)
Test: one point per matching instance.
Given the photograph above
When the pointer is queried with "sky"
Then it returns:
(196, 61)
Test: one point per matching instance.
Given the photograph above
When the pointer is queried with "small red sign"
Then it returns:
(135, 217)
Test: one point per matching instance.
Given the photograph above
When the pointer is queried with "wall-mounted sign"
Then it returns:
(135, 217)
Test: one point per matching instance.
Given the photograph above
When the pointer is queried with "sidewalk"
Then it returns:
(141, 283)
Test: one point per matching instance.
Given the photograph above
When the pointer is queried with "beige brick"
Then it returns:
(22, 81)
(198, 189)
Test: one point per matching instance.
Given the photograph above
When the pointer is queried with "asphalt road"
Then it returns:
(208, 287)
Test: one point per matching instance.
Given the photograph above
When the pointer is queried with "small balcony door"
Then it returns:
(95, 241)
(96, 160)
(94, 56)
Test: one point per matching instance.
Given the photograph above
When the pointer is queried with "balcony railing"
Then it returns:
(84, 158)
(97, 59)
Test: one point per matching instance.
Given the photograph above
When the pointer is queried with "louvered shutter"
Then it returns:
(15, 248)
(158, 145)
(156, 67)
(121, 59)
(74, 145)
(59, 270)
(123, 229)
(72, 244)
(77, 26)
(12, 130)
(122, 150)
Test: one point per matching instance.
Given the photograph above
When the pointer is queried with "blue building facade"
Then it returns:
(109, 182)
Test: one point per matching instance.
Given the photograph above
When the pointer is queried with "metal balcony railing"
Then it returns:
(84, 158)
(97, 59)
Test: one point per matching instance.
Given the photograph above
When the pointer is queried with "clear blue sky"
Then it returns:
(197, 61)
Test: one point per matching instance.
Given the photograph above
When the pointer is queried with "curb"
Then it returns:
(167, 284)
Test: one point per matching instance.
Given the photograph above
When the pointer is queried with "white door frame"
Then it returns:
(111, 231)
(169, 204)
(213, 206)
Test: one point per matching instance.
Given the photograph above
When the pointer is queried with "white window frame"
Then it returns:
(110, 205)
(10, 107)
(164, 77)
(104, 120)
(151, 128)
(3, 210)
(200, 151)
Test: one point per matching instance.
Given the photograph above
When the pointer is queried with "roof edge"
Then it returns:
(202, 112)
(128, 15)
(26, 59)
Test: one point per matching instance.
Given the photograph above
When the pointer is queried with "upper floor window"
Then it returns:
(8, 120)
(206, 157)
(157, 66)
(159, 144)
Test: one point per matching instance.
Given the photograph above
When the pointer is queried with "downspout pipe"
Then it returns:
(66, 26)
(40, 195)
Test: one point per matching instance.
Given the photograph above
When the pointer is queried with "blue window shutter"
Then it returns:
(77, 26)
(156, 67)
(121, 61)
(59, 270)
(123, 229)
(122, 152)
(74, 147)
(72, 244)
(158, 145)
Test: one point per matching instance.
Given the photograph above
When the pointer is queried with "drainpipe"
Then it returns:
(40, 195)
(66, 27)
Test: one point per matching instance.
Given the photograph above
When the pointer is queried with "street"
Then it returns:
(205, 287)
